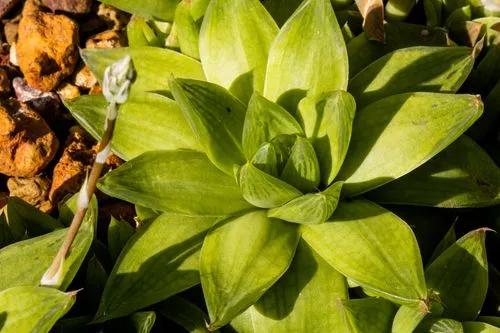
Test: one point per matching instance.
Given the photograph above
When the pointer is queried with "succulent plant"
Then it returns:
(272, 161)
(268, 161)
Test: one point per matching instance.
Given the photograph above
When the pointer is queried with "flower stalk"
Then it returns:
(117, 80)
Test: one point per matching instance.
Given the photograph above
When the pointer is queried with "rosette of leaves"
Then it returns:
(257, 172)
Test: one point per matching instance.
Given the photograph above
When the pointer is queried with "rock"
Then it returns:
(114, 18)
(84, 78)
(10, 29)
(27, 144)
(69, 6)
(67, 91)
(4, 197)
(5, 89)
(6, 6)
(69, 172)
(47, 47)
(34, 190)
(108, 39)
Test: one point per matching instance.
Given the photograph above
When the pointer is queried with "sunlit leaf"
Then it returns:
(32, 309)
(146, 122)
(158, 261)
(397, 134)
(241, 258)
(367, 315)
(372, 247)
(159, 9)
(187, 30)
(216, 118)
(177, 181)
(302, 167)
(235, 39)
(308, 56)
(478, 327)
(462, 175)
(303, 300)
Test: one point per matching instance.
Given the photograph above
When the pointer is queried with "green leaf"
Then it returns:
(234, 45)
(159, 260)
(462, 264)
(263, 190)
(24, 263)
(198, 8)
(158, 9)
(303, 300)
(495, 321)
(32, 309)
(329, 125)
(372, 247)
(310, 208)
(463, 175)
(264, 121)
(177, 181)
(36, 223)
(308, 56)
(95, 280)
(372, 315)
(448, 240)
(187, 30)
(139, 33)
(146, 122)
(118, 234)
(420, 68)
(149, 62)
(407, 318)
(398, 35)
(440, 325)
(185, 314)
(281, 10)
(302, 167)
(241, 258)
(216, 118)
(485, 76)
(478, 327)
(374, 158)
(142, 322)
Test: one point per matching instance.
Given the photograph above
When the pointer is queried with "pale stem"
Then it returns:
(91, 184)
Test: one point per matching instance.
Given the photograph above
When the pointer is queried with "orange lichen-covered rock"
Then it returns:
(27, 144)
(47, 47)
(71, 168)
(34, 190)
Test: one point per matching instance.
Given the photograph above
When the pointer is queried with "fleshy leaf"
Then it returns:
(440, 325)
(307, 57)
(146, 122)
(143, 321)
(303, 300)
(372, 315)
(24, 263)
(302, 167)
(148, 63)
(407, 318)
(463, 175)
(216, 118)
(185, 314)
(478, 327)
(177, 181)
(397, 134)
(448, 240)
(118, 234)
(187, 30)
(139, 33)
(33, 309)
(329, 125)
(462, 264)
(364, 242)
(263, 190)
(235, 39)
(159, 9)
(311, 208)
(495, 321)
(158, 261)
(264, 121)
(363, 52)
(241, 258)
(28, 218)
(421, 68)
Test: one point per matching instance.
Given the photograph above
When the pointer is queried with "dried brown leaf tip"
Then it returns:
(373, 18)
